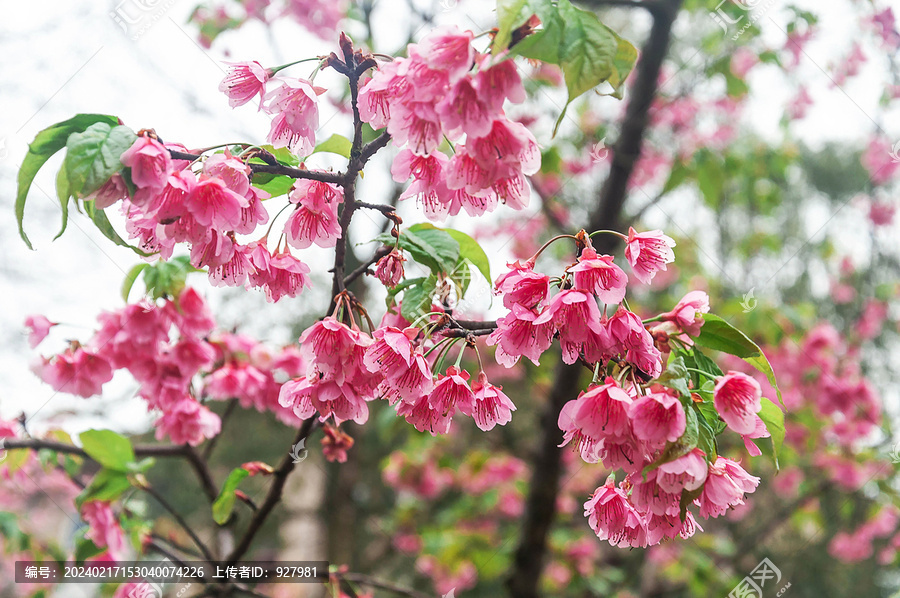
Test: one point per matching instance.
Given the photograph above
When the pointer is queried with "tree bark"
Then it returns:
(540, 510)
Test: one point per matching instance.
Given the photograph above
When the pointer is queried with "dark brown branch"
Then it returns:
(178, 519)
(294, 173)
(148, 450)
(273, 496)
(540, 509)
(152, 545)
(627, 148)
(363, 268)
(383, 208)
(475, 324)
(466, 333)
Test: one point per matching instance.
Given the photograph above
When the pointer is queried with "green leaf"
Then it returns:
(417, 299)
(92, 156)
(63, 193)
(130, 279)
(224, 503)
(469, 249)
(98, 217)
(336, 144)
(282, 154)
(109, 449)
(706, 440)
(718, 334)
(45, 144)
(108, 485)
(773, 417)
(428, 245)
(676, 377)
(167, 279)
(588, 52)
(274, 185)
(509, 16)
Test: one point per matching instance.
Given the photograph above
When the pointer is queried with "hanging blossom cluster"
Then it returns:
(173, 353)
(624, 420)
(447, 89)
(348, 368)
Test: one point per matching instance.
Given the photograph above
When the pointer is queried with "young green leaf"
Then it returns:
(719, 335)
(224, 503)
(98, 217)
(130, 279)
(109, 449)
(336, 144)
(469, 249)
(274, 185)
(45, 144)
(106, 485)
(773, 417)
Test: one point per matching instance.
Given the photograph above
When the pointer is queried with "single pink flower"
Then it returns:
(737, 398)
(448, 49)
(288, 276)
(522, 286)
(296, 114)
(38, 329)
(103, 528)
(421, 414)
(212, 203)
(613, 518)
(574, 313)
(522, 332)
(492, 406)
(150, 165)
(648, 253)
(598, 275)
(725, 487)
(243, 82)
(79, 372)
(389, 269)
(598, 414)
(687, 472)
(188, 422)
(687, 313)
(451, 392)
(657, 418)
(462, 110)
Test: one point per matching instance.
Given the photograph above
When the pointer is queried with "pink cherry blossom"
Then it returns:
(522, 332)
(574, 312)
(628, 335)
(212, 203)
(103, 528)
(79, 372)
(497, 80)
(448, 49)
(389, 269)
(109, 192)
(599, 414)
(492, 406)
(613, 518)
(648, 253)
(522, 286)
(188, 422)
(315, 220)
(288, 276)
(150, 165)
(243, 82)
(657, 418)
(737, 399)
(878, 160)
(687, 472)
(451, 392)
(429, 186)
(464, 110)
(38, 329)
(725, 487)
(424, 416)
(598, 275)
(293, 104)
(687, 313)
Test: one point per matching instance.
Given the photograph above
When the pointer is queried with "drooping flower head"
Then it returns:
(243, 82)
(737, 398)
(648, 253)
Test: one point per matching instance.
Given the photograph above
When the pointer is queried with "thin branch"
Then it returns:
(294, 173)
(273, 496)
(185, 549)
(179, 519)
(364, 267)
(147, 450)
(383, 208)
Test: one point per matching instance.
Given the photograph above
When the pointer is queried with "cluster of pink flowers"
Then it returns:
(434, 94)
(585, 331)
(104, 529)
(172, 204)
(628, 430)
(858, 545)
(139, 338)
(320, 17)
(347, 368)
